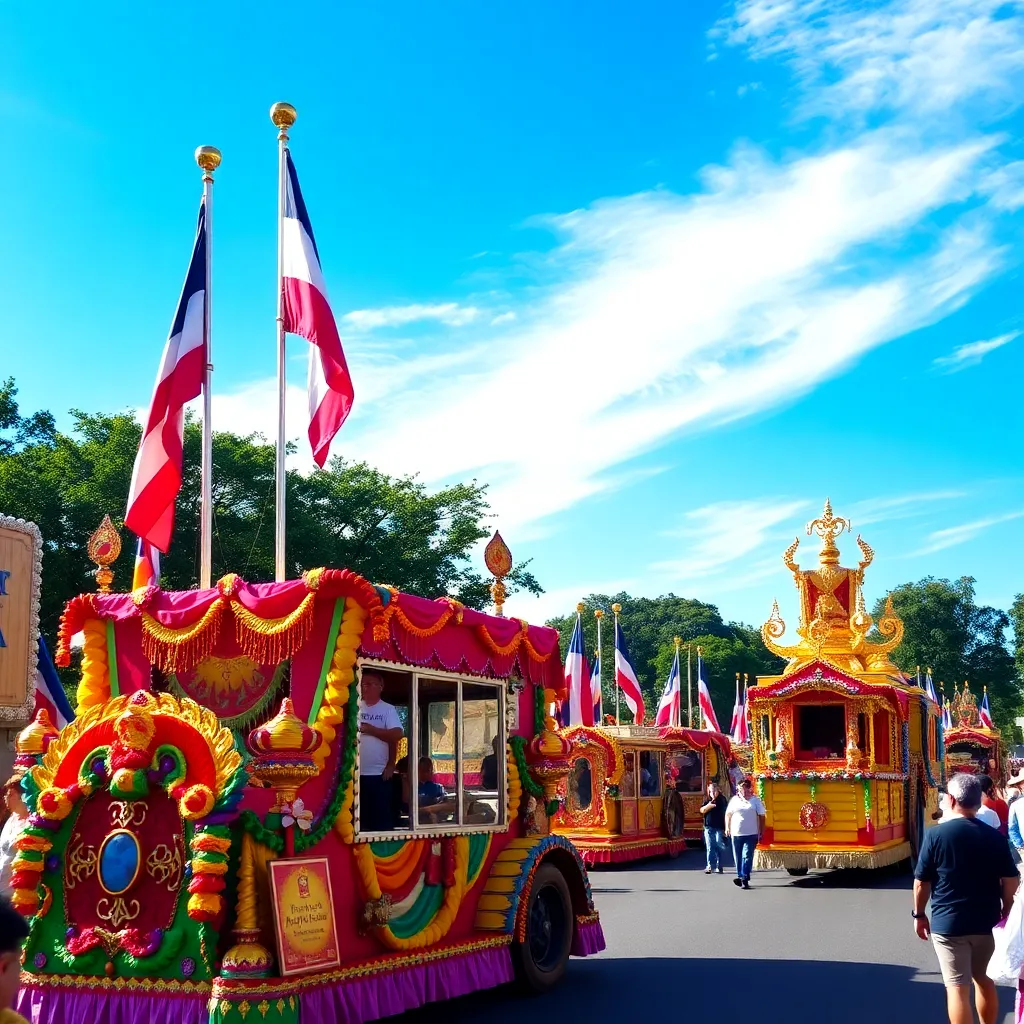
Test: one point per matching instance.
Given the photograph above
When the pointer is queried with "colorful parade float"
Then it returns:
(635, 791)
(193, 851)
(847, 750)
(971, 742)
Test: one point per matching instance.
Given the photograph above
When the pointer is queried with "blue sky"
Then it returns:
(665, 275)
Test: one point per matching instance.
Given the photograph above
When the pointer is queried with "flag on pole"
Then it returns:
(577, 679)
(985, 712)
(147, 565)
(707, 709)
(929, 687)
(625, 677)
(669, 708)
(595, 687)
(740, 732)
(947, 720)
(156, 477)
(49, 693)
(307, 312)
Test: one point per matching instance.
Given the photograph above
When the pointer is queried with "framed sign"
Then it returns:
(21, 566)
(307, 936)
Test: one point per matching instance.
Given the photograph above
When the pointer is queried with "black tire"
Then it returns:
(541, 959)
(797, 872)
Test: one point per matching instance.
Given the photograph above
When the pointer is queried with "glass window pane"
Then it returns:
(686, 770)
(384, 698)
(438, 743)
(650, 773)
(627, 787)
(483, 767)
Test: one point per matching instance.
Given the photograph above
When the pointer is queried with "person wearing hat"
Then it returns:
(17, 819)
(1015, 820)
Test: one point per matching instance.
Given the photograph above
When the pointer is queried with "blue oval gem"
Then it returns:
(120, 858)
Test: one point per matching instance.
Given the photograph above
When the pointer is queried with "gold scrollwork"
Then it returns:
(125, 813)
(164, 865)
(117, 911)
(82, 862)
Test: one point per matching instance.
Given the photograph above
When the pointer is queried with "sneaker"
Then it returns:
(746, 884)
(707, 871)
(738, 882)
(720, 871)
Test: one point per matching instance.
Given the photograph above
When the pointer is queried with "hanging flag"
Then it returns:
(669, 708)
(595, 687)
(929, 688)
(707, 709)
(156, 477)
(740, 731)
(947, 720)
(577, 679)
(147, 565)
(625, 677)
(49, 693)
(307, 313)
(985, 712)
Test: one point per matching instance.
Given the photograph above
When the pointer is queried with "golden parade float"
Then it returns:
(635, 791)
(970, 739)
(194, 852)
(847, 750)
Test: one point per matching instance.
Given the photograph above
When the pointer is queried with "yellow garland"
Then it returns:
(94, 686)
(515, 785)
(269, 641)
(340, 677)
(173, 649)
(442, 921)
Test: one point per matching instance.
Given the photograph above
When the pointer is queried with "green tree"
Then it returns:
(945, 628)
(650, 626)
(390, 529)
(1017, 621)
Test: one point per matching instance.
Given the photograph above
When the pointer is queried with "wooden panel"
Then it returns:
(839, 797)
(882, 816)
(816, 838)
(649, 811)
(17, 585)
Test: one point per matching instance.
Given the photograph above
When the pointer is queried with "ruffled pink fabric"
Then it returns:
(63, 1006)
(587, 940)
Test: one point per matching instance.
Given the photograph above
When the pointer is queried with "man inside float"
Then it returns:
(380, 729)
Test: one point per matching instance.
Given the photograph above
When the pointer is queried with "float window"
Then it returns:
(820, 731)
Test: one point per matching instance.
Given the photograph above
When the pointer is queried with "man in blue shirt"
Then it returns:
(966, 868)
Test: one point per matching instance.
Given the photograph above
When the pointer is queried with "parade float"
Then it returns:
(847, 750)
(971, 742)
(635, 791)
(193, 852)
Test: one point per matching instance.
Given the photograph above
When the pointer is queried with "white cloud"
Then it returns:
(875, 510)
(562, 600)
(449, 313)
(748, 87)
(970, 355)
(503, 318)
(953, 535)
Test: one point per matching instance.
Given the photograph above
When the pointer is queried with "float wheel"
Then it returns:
(797, 872)
(541, 958)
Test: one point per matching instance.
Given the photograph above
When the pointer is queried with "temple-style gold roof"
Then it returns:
(834, 622)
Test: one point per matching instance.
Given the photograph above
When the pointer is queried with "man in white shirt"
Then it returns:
(985, 814)
(744, 822)
(380, 729)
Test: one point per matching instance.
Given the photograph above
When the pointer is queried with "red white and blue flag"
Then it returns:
(740, 723)
(626, 678)
(947, 719)
(707, 709)
(985, 712)
(49, 694)
(307, 312)
(577, 679)
(147, 565)
(156, 477)
(670, 705)
(595, 687)
(929, 687)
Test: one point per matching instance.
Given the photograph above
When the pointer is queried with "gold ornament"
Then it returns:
(103, 550)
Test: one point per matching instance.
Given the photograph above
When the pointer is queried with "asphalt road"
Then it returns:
(833, 946)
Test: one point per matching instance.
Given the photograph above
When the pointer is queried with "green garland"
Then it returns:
(867, 798)
(551, 807)
(539, 710)
(814, 790)
(517, 743)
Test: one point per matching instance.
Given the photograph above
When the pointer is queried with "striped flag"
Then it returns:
(626, 678)
(985, 712)
(929, 687)
(577, 679)
(307, 313)
(740, 731)
(947, 719)
(49, 693)
(707, 709)
(156, 477)
(147, 565)
(670, 706)
(595, 686)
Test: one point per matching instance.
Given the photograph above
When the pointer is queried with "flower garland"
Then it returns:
(540, 712)
(210, 846)
(867, 802)
(834, 776)
(340, 677)
(94, 686)
(515, 784)
(517, 745)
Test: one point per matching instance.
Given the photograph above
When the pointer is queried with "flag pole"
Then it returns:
(700, 713)
(283, 117)
(616, 608)
(208, 158)
(678, 640)
(599, 615)
(689, 689)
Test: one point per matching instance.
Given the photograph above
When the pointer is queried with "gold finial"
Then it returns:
(828, 526)
(580, 606)
(746, 678)
(942, 687)
(208, 158)
(103, 549)
(283, 115)
(917, 668)
(498, 560)
(928, 671)
(737, 677)
(616, 608)
(677, 640)
(598, 614)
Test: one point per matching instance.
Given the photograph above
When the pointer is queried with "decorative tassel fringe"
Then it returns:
(777, 860)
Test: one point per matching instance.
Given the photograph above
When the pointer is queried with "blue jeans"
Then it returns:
(714, 841)
(743, 855)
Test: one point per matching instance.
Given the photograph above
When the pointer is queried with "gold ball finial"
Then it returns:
(283, 116)
(616, 608)
(580, 606)
(598, 614)
(208, 158)
(677, 640)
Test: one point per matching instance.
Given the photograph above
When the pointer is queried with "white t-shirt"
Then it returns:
(373, 752)
(11, 831)
(985, 814)
(744, 815)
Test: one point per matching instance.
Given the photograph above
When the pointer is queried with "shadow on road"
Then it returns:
(768, 991)
(853, 878)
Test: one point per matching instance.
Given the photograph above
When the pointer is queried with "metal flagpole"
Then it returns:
(599, 615)
(616, 608)
(689, 689)
(283, 117)
(678, 641)
(208, 158)
(700, 713)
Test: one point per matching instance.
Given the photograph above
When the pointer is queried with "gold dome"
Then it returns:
(285, 735)
(33, 740)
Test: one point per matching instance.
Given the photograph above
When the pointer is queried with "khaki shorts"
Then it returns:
(963, 957)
